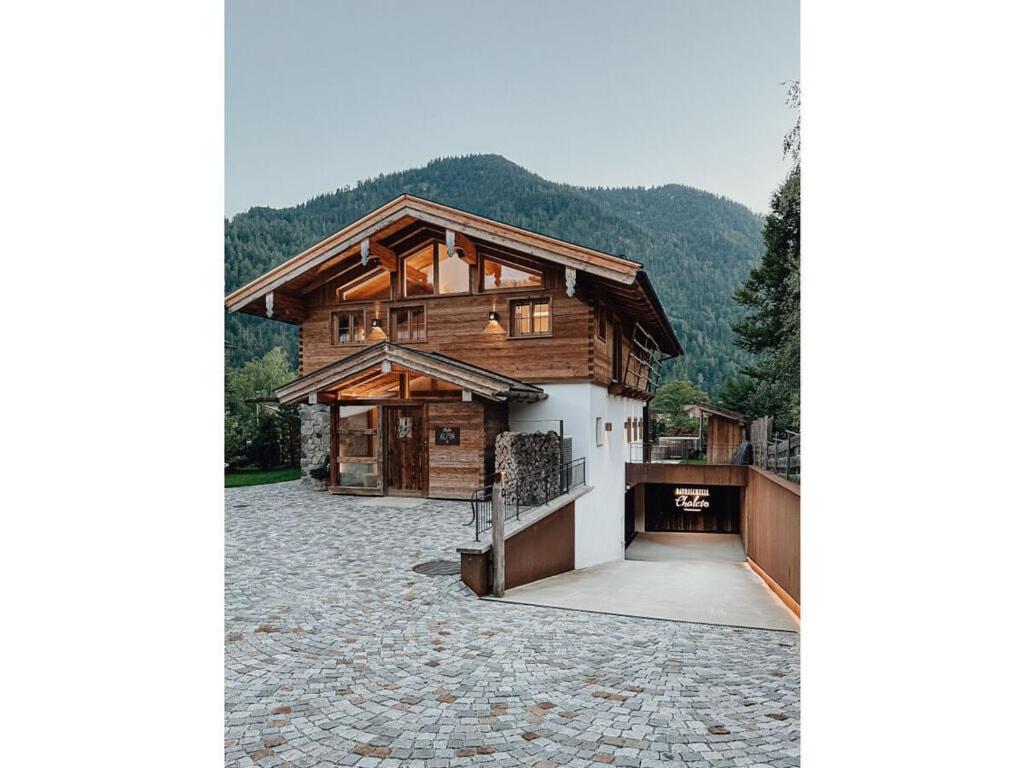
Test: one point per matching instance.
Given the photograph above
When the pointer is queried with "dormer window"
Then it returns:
(431, 271)
(374, 285)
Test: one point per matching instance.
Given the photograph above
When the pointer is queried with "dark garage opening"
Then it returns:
(691, 508)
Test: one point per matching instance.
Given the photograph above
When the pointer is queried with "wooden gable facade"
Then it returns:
(436, 281)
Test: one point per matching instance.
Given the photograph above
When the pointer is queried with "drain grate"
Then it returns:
(438, 568)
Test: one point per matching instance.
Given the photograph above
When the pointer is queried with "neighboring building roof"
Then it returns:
(479, 381)
(624, 279)
(701, 408)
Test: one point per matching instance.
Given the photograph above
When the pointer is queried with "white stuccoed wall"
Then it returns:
(599, 514)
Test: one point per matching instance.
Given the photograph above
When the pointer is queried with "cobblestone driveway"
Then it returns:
(336, 653)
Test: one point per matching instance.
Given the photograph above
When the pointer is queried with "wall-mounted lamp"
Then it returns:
(376, 330)
(492, 316)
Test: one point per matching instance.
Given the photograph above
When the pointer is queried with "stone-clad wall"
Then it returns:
(315, 431)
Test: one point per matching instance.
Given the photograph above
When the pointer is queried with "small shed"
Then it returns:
(724, 430)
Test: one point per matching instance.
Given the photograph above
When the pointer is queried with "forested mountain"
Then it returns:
(697, 247)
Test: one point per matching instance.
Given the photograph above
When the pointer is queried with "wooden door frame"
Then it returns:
(424, 455)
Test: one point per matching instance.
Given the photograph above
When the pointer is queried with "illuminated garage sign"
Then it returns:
(692, 498)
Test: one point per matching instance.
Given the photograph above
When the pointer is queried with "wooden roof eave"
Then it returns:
(494, 387)
(567, 254)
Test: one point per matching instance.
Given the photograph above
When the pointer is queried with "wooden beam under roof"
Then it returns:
(396, 214)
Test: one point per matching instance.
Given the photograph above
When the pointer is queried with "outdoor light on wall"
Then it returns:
(493, 326)
(492, 316)
(376, 330)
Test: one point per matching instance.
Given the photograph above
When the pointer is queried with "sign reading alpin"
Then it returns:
(692, 498)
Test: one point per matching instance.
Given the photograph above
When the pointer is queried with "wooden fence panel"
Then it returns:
(771, 513)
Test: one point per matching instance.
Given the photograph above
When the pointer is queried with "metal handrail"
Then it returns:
(526, 491)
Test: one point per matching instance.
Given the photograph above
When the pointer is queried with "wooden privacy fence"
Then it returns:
(776, 454)
(771, 532)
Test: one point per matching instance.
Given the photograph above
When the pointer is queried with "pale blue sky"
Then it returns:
(322, 93)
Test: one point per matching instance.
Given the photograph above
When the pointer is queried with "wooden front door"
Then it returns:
(405, 450)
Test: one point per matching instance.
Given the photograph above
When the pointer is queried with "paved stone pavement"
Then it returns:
(337, 653)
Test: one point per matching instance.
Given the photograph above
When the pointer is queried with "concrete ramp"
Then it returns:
(698, 577)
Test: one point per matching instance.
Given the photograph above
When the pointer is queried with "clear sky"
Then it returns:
(323, 93)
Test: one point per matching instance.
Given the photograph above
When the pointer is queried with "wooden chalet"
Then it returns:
(422, 327)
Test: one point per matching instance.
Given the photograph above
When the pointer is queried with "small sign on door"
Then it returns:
(446, 435)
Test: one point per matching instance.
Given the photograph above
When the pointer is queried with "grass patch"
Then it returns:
(242, 477)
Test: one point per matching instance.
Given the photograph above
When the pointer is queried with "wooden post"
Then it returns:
(498, 535)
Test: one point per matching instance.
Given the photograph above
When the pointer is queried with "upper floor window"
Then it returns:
(408, 324)
(498, 275)
(531, 317)
(349, 327)
(373, 285)
(431, 271)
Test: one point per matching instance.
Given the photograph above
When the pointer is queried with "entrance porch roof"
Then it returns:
(385, 357)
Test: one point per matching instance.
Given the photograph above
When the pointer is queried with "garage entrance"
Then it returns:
(689, 508)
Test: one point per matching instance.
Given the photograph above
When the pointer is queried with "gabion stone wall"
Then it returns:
(315, 431)
(525, 455)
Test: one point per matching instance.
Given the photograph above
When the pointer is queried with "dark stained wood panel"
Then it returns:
(683, 474)
(404, 449)
(661, 513)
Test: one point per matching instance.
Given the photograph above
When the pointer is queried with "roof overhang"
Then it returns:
(384, 357)
(707, 409)
(407, 207)
(277, 293)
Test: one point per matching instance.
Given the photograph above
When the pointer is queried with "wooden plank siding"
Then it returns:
(456, 470)
(771, 522)
(457, 326)
(545, 548)
(687, 474)
(724, 437)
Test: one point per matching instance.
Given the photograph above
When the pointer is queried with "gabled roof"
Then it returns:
(486, 384)
(623, 279)
(707, 408)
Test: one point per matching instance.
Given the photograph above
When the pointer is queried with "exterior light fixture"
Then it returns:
(492, 316)
(376, 330)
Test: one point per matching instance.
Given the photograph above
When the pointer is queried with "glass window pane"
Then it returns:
(452, 271)
(350, 328)
(541, 317)
(376, 285)
(419, 272)
(521, 319)
(417, 324)
(400, 324)
(498, 275)
(358, 475)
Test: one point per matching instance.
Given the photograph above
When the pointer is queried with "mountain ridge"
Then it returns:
(697, 246)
